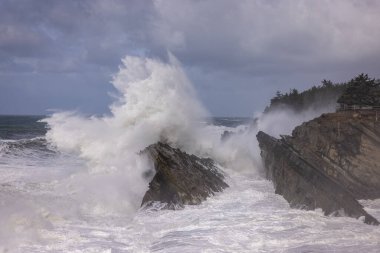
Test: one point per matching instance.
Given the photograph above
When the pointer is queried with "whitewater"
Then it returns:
(74, 183)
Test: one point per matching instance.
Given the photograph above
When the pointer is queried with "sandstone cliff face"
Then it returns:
(181, 179)
(327, 163)
(347, 145)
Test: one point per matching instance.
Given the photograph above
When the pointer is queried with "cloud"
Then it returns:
(236, 51)
(87, 32)
(253, 36)
(269, 36)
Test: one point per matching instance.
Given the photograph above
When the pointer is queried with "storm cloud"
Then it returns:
(62, 54)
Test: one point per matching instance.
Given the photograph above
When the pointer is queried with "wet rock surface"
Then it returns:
(181, 179)
(329, 163)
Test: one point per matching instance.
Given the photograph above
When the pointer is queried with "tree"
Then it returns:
(361, 90)
(327, 83)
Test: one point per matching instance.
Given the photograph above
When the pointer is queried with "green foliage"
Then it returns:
(317, 96)
(361, 90)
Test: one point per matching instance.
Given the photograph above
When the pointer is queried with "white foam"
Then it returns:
(157, 102)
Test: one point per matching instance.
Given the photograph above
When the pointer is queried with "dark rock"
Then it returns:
(181, 179)
(327, 163)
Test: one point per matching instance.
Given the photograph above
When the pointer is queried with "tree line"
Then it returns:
(326, 93)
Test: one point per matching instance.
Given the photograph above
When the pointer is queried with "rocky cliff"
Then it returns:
(181, 179)
(329, 163)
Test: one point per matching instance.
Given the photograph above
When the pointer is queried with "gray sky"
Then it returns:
(61, 54)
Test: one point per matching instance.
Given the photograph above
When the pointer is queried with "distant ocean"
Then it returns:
(13, 127)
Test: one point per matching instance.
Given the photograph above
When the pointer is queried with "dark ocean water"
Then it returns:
(22, 138)
(14, 127)
(231, 121)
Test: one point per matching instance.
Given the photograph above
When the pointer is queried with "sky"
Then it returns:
(61, 55)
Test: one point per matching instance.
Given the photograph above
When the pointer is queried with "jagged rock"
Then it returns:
(181, 179)
(327, 163)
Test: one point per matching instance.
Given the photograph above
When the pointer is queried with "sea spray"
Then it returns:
(240, 150)
(283, 120)
(156, 103)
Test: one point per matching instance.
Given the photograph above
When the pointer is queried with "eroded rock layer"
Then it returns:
(327, 163)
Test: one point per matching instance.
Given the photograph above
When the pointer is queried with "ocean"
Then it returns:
(43, 208)
(74, 183)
